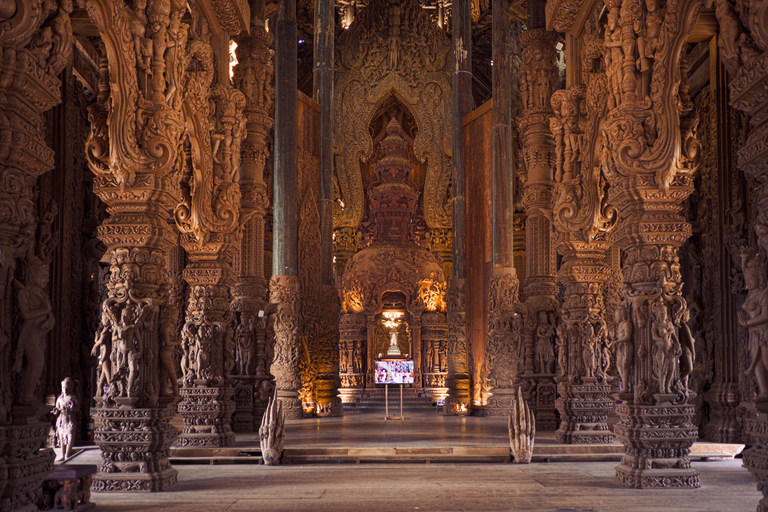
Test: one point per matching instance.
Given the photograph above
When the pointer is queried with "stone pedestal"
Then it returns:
(135, 445)
(206, 411)
(584, 409)
(657, 440)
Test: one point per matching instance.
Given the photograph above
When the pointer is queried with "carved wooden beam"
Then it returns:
(231, 16)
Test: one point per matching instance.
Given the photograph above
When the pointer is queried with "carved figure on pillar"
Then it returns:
(35, 309)
(755, 318)
(545, 352)
(625, 349)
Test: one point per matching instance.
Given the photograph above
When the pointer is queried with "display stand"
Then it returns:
(386, 404)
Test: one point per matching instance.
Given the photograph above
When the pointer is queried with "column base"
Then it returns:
(352, 387)
(156, 481)
(135, 445)
(584, 412)
(500, 404)
(327, 398)
(243, 419)
(546, 410)
(657, 439)
(458, 402)
(724, 425)
(207, 413)
(292, 407)
(23, 465)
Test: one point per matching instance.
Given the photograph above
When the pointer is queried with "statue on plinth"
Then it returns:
(66, 405)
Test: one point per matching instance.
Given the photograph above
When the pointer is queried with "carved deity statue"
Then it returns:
(246, 347)
(755, 318)
(625, 349)
(590, 349)
(35, 309)
(545, 353)
(666, 347)
(128, 334)
(168, 349)
(188, 335)
(102, 348)
(66, 405)
(688, 347)
(614, 57)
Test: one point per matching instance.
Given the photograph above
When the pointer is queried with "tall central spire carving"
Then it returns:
(393, 199)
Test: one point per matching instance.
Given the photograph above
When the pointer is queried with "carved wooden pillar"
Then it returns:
(583, 221)
(501, 359)
(538, 76)
(743, 43)
(327, 383)
(208, 219)
(457, 380)
(352, 354)
(285, 287)
(650, 157)
(724, 396)
(583, 386)
(140, 186)
(150, 104)
(346, 242)
(30, 66)
(370, 351)
(253, 76)
(434, 332)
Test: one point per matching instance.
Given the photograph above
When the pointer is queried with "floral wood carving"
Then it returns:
(393, 49)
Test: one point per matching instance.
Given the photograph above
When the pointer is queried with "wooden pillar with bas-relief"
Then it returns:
(352, 354)
(254, 77)
(506, 317)
(583, 221)
(284, 286)
(327, 383)
(743, 43)
(30, 87)
(208, 218)
(649, 158)
(457, 379)
(538, 76)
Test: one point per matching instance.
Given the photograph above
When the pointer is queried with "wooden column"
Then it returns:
(505, 319)
(538, 76)
(250, 293)
(327, 384)
(724, 396)
(457, 381)
(284, 287)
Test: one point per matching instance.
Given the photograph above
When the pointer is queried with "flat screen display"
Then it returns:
(394, 371)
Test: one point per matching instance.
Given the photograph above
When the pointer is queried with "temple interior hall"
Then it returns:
(384, 255)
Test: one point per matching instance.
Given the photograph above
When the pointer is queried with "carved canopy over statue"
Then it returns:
(393, 49)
